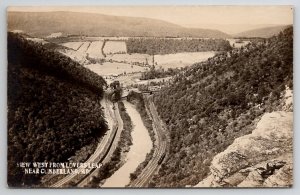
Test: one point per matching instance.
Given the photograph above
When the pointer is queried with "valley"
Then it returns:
(151, 103)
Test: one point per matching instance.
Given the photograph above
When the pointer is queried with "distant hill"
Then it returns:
(42, 24)
(262, 32)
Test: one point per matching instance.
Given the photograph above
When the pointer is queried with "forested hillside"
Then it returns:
(53, 107)
(214, 102)
(154, 46)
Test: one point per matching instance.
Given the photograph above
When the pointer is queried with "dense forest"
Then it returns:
(53, 107)
(216, 101)
(160, 73)
(153, 46)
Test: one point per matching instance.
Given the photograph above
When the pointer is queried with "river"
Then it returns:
(141, 145)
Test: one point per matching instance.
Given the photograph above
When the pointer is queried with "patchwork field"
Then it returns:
(118, 61)
(165, 61)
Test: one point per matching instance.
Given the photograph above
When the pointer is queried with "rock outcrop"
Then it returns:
(261, 159)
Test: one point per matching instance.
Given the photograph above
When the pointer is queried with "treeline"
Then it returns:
(216, 101)
(159, 73)
(53, 108)
(153, 46)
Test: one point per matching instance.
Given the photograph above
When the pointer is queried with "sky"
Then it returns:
(230, 19)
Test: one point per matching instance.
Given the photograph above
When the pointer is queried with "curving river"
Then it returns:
(141, 145)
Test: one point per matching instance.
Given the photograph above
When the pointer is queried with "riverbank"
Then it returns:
(141, 145)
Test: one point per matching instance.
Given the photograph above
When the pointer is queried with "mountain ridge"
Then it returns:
(265, 32)
(94, 24)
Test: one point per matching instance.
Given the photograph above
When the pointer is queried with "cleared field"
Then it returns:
(120, 63)
(112, 47)
(130, 58)
(80, 50)
(79, 54)
(108, 68)
(72, 45)
(84, 47)
(181, 59)
(166, 61)
(75, 55)
(94, 51)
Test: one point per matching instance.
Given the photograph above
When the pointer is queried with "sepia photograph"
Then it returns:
(150, 96)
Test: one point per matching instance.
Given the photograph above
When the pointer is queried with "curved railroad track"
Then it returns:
(104, 150)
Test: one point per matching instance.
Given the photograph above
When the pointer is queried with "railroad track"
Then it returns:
(104, 150)
(160, 151)
(113, 144)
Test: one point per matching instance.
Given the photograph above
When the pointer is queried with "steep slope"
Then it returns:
(53, 108)
(42, 24)
(214, 102)
(262, 32)
(260, 159)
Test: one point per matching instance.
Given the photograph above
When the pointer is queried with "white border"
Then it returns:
(3, 102)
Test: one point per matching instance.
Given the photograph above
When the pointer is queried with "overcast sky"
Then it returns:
(230, 19)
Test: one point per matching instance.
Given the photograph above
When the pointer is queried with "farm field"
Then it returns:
(75, 55)
(84, 47)
(166, 61)
(179, 60)
(116, 52)
(115, 47)
(108, 68)
(130, 58)
(94, 51)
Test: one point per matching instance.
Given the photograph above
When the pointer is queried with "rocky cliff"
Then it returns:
(261, 159)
